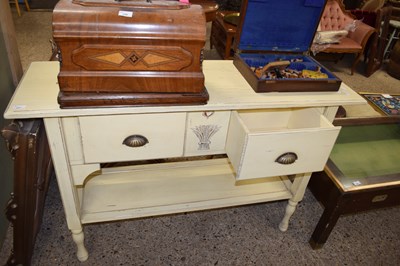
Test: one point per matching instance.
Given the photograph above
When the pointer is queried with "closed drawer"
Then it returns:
(103, 137)
(301, 138)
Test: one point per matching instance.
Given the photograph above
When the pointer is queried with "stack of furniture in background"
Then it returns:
(384, 16)
(229, 5)
(336, 18)
(374, 52)
(16, 2)
(392, 50)
(223, 34)
(210, 8)
(223, 28)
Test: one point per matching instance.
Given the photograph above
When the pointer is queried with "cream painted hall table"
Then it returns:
(272, 142)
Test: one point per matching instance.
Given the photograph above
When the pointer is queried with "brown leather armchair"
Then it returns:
(335, 18)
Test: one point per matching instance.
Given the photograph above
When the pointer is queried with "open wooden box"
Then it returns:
(281, 32)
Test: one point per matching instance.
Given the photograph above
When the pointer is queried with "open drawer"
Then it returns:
(263, 143)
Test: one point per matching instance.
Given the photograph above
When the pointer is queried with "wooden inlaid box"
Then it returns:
(129, 53)
(277, 35)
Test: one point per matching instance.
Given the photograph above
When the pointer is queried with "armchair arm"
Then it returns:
(362, 33)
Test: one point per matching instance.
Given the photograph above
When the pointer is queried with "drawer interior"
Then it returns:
(257, 121)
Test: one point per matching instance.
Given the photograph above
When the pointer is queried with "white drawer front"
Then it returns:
(206, 132)
(103, 136)
(257, 139)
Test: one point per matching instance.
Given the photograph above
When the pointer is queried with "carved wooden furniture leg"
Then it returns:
(26, 140)
(65, 181)
(298, 189)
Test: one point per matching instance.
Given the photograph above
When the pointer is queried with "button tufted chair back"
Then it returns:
(333, 17)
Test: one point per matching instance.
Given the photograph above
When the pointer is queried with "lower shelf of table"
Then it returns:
(157, 189)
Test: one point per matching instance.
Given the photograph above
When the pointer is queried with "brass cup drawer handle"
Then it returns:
(287, 158)
(135, 141)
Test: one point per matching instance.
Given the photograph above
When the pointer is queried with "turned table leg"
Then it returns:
(290, 208)
(298, 189)
(78, 237)
(65, 180)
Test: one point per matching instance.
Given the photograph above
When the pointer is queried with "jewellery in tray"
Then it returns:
(280, 70)
(317, 74)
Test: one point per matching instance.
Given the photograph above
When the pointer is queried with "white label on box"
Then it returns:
(387, 96)
(127, 14)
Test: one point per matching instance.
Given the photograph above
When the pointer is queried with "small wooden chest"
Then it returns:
(129, 53)
(273, 41)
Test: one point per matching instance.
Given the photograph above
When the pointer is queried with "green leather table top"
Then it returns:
(367, 154)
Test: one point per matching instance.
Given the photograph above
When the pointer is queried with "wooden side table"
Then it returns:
(222, 35)
(362, 173)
